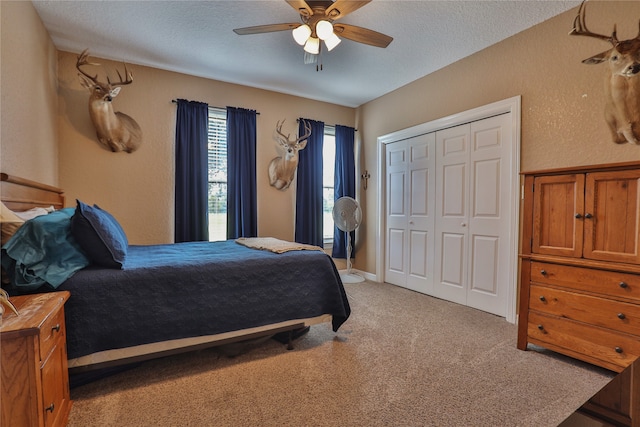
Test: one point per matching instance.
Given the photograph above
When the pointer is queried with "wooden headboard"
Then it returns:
(20, 194)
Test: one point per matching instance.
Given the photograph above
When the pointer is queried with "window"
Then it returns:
(217, 189)
(328, 162)
(217, 147)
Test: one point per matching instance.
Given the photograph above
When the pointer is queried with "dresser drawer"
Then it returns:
(604, 282)
(591, 341)
(620, 316)
(51, 332)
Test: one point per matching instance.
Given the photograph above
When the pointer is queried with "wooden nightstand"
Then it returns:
(34, 381)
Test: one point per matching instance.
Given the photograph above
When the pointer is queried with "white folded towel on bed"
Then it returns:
(275, 245)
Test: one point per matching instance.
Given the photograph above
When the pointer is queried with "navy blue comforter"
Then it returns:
(198, 288)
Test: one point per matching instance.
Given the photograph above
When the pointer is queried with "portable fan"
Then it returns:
(347, 216)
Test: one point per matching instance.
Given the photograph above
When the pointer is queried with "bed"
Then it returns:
(171, 298)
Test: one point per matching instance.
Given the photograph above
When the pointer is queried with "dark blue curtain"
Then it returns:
(191, 212)
(309, 186)
(242, 211)
(344, 182)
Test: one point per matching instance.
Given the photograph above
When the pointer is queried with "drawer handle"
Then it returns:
(623, 285)
(50, 408)
(541, 327)
(543, 272)
(542, 298)
(621, 316)
(618, 350)
(56, 328)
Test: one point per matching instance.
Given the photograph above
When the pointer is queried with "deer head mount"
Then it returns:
(115, 130)
(622, 80)
(282, 169)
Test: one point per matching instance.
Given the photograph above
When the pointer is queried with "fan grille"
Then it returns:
(347, 214)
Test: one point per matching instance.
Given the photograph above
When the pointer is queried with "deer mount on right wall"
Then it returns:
(622, 80)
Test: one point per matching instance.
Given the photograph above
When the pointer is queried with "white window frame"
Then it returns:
(329, 131)
(217, 135)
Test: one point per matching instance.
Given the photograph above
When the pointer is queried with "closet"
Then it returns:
(449, 212)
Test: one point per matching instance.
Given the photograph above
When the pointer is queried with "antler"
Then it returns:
(307, 130)
(127, 73)
(286, 140)
(580, 27)
(82, 60)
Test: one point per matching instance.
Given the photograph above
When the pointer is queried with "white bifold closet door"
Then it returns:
(472, 204)
(410, 197)
(447, 202)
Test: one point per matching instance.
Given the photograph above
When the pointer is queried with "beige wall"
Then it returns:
(138, 187)
(562, 100)
(28, 95)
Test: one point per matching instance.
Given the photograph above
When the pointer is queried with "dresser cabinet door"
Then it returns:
(558, 206)
(612, 217)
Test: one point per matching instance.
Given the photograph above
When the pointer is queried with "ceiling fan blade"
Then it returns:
(341, 8)
(362, 35)
(265, 28)
(301, 7)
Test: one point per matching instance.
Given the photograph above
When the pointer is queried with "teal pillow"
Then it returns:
(43, 251)
(99, 235)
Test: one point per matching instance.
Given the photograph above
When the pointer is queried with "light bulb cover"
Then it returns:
(312, 45)
(332, 42)
(301, 34)
(324, 29)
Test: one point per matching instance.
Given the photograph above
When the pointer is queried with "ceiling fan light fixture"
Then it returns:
(332, 42)
(312, 45)
(324, 29)
(301, 34)
(310, 58)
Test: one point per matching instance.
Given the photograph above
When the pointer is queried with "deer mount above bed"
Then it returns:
(116, 131)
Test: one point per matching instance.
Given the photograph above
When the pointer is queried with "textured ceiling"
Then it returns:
(197, 38)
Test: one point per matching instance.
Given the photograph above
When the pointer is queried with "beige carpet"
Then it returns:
(402, 359)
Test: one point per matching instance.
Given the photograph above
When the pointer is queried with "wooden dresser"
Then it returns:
(34, 381)
(580, 270)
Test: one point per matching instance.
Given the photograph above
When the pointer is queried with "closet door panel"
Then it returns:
(421, 169)
(490, 190)
(452, 211)
(396, 262)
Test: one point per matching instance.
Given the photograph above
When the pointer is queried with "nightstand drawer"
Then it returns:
(604, 282)
(592, 341)
(51, 332)
(619, 316)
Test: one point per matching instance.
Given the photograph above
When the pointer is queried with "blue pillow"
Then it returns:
(99, 235)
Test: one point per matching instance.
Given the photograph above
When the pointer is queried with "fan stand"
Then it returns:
(348, 276)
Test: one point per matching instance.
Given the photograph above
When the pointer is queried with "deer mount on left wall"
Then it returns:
(116, 131)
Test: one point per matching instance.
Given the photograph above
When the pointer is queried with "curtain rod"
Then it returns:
(175, 101)
(355, 130)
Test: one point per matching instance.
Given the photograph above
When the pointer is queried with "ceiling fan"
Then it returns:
(317, 25)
